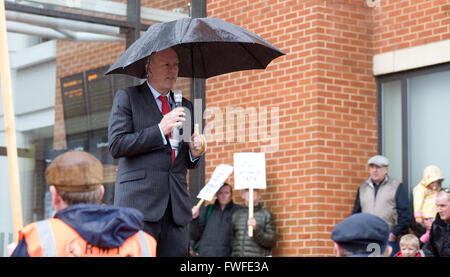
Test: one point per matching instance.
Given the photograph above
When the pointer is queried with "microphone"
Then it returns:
(178, 97)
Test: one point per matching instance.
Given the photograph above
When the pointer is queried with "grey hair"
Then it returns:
(149, 60)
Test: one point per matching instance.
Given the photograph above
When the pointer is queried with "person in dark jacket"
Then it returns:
(81, 226)
(152, 166)
(211, 226)
(264, 230)
(438, 244)
(385, 197)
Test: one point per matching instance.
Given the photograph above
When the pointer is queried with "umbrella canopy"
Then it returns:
(206, 47)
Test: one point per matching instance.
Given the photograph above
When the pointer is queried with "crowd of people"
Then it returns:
(379, 226)
(221, 229)
(383, 201)
(152, 213)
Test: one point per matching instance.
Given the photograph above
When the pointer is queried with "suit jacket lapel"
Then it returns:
(150, 101)
(153, 107)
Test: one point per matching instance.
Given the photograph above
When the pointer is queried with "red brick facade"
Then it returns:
(325, 93)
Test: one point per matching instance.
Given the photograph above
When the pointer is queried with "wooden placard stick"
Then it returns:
(250, 210)
(11, 144)
(199, 204)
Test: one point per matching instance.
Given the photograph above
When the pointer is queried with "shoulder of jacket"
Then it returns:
(133, 90)
(392, 182)
(28, 228)
(41, 226)
(240, 213)
(419, 188)
(365, 183)
(32, 225)
(266, 212)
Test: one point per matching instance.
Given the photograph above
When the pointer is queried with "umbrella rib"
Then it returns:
(250, 52)
(203, 61)
(190, 47)
(192, 58)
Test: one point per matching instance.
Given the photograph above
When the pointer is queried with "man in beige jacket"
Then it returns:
(386, 198)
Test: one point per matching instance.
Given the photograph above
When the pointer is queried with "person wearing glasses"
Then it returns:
(438, 245)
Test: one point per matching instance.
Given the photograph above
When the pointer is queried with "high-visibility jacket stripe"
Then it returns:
(145, 251)
(47, 239)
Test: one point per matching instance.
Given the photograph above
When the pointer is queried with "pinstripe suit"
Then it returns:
(146, 178)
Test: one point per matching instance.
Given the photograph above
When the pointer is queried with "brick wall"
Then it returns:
(403, 24)
(326, 96)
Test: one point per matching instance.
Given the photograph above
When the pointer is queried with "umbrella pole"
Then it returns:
(11, 145)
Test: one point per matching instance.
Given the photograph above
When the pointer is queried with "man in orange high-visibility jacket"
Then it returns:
(81, 226)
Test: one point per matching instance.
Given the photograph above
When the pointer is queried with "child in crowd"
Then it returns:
(409, 246)
(424, 198)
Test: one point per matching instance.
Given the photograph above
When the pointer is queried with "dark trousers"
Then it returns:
(172, 239)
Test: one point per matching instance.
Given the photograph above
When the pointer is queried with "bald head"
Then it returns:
(443, 205)
(163, 70)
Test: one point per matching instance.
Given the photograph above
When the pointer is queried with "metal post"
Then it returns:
(133, 17)
(198, 91)
(133, 33)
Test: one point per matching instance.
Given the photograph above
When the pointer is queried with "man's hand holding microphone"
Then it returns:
(174, 120)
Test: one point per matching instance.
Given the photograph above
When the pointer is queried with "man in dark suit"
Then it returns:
(151, 174)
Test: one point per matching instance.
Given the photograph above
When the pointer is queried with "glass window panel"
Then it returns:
(392, 127)
(429, 98)
(6, 223)
(113, 9)
(152, 11)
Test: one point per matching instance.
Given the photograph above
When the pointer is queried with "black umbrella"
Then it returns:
(206, 47)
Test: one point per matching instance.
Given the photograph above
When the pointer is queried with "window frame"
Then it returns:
(403, 77)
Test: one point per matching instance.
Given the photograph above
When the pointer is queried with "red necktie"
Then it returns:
(166, 109)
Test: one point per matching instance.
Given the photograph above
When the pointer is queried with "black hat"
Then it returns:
(357, 232)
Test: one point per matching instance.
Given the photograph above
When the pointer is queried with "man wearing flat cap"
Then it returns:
(82, 227)
(361, 235)
(386, 198)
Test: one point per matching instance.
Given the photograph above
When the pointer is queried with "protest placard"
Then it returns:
(250, 173)
(218, 177)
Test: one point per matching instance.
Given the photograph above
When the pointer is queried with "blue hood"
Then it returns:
(102, 225)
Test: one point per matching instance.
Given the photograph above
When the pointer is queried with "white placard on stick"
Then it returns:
(249, 171)
(218, 177)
